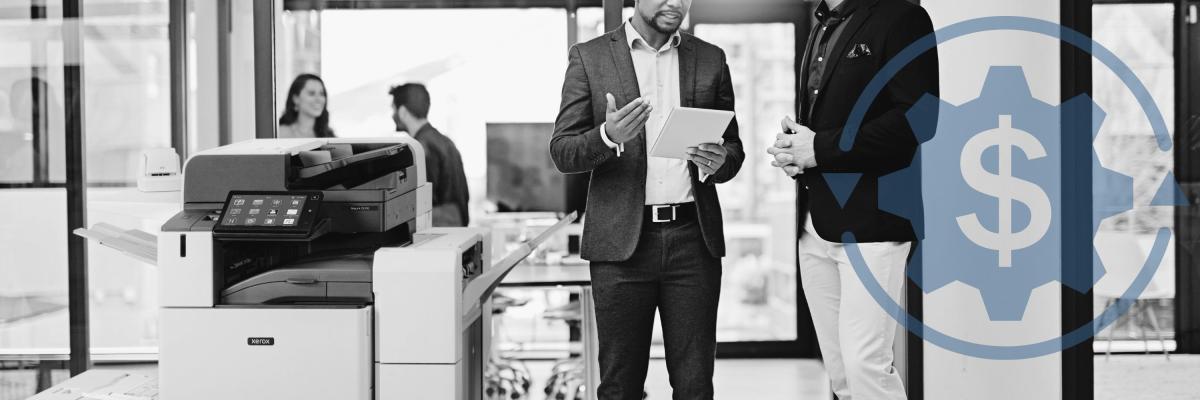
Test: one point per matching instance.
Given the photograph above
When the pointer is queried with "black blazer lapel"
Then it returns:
(803, 118)
(839, 50)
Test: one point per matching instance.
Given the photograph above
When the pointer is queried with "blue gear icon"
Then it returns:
(946, 195)
(1004, 107)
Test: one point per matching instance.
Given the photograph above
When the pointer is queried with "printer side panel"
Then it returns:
(485, 236)
(418, 301)
(185, 269)
(426, 382)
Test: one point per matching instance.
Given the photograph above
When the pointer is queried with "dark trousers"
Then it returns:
(673, 272)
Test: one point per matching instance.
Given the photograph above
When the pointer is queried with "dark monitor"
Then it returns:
(520, 175)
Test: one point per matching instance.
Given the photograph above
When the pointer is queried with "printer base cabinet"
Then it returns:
(266, 353)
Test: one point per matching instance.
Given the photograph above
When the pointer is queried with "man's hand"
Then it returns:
(793, 150)
(625, 124)
(708, 157)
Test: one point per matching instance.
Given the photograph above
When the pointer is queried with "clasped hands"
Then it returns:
(622, 125)
(793, 149)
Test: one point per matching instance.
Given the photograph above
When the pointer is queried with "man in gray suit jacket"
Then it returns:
(653, 231)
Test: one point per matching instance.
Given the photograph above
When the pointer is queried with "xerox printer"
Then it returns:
(307, 269)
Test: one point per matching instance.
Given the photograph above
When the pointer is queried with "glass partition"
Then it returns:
(34, 327)
(758, 288)
(1142, 37)
(126, 110)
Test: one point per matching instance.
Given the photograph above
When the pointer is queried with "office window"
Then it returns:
(126, 100)
(33, 273)
(481, 66)
(758, 288)
(1141, 35)
(126, 57)
(591, 22)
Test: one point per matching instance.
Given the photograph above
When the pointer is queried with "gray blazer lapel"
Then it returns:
(627, 74)
(623, 62)
(687, 86)
(687, 73)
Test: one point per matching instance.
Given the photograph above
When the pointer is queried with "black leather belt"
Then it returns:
(667, 213)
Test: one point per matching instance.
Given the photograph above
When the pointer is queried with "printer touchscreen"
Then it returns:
(268, 212)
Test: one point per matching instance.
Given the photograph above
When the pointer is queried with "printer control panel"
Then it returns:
(270, 213)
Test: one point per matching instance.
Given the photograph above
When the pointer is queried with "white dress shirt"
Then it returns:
(667, 179)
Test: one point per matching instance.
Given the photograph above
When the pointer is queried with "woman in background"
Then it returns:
(305, 114)
(32, 115)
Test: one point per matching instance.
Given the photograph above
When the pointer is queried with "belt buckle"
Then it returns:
(654, 211)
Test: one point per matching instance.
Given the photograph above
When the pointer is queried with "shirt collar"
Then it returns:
(824, 14)
(632, 36)
(424, 127)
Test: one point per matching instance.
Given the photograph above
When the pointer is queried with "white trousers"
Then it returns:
(854, 332)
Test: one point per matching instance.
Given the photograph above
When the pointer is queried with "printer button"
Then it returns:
(301, 281)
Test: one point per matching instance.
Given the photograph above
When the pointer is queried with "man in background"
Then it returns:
(443, 163)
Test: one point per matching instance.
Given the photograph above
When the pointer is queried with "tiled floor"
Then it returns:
(734, 379)
(1122, 377)
(756, 379)
(1132, 377)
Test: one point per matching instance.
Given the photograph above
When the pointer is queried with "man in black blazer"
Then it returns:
(849, 44)
(653, 230)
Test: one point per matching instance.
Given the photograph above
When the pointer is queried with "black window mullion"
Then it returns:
(177, 36)
(77, 269)
(1078, 381)
(39, 106)
(1187, 134)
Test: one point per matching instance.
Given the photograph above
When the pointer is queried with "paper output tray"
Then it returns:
(309, 172)
(137, 244)
(367, 165)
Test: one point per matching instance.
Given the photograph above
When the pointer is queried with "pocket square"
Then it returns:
(859, 50)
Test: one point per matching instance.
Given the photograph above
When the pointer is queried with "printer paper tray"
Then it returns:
(137, 244)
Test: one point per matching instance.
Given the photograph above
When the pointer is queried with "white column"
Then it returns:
(241, 71)
(957, 309)
(204, 123)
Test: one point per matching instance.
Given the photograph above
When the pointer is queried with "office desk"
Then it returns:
(49, 359)
(530, 275)
(101, 384)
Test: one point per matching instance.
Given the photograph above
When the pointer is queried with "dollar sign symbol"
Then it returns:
(1006, 189)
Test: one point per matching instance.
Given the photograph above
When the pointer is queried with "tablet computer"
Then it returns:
(270, 213)
(688, 127)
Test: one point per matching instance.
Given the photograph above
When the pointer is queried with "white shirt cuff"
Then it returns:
(619, 147)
